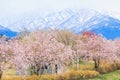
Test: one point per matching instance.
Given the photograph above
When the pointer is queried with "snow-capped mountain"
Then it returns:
(107, 26)
(55, 20)
(76, 21)
(7, 32)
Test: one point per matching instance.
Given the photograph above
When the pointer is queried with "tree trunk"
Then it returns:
(36, 70)
(97, 62)
(1, 75)
(56, 68)
(41, 70)
(77, 62)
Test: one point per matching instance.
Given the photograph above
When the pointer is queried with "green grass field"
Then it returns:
(109, 76)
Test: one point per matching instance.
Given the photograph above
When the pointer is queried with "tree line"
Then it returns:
(50, 52)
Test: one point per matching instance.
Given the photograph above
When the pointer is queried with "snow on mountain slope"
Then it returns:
(74, 20)
(108, 27)
(54, 19)
(114, 14)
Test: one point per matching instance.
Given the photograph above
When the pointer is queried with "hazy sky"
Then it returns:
(12, 11)
(8, 7)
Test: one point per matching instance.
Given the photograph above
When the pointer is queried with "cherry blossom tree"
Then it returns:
(101, 49)
(95, 47)
(81, 47)
(117, 45)
(5, 55)
(40, 51)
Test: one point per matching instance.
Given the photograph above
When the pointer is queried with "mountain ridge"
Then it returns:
(7, 32)
(74, 20)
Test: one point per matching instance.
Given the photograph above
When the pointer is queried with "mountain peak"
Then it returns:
(75, 20)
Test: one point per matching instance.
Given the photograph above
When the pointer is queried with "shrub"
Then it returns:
(83, 66)
(46, 77)
(77, 75)
(33, 77)
(12, 78)
(70, 75)
(107, 66)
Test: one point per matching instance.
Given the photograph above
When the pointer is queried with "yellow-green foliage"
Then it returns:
(71, 75)
(34, 77)
(9, 72)
(107, 66)
(47, 77)
(84, 66)
(77, 75)
(12, 78)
